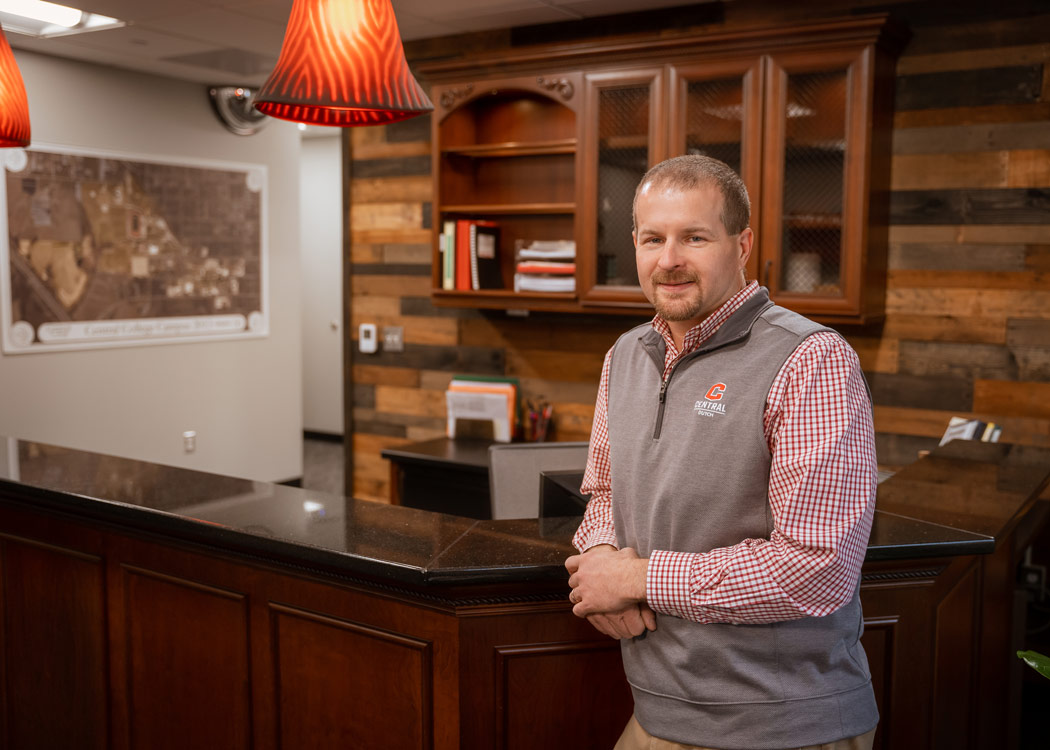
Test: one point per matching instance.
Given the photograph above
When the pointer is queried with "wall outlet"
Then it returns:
(189, 441)
(393, 339)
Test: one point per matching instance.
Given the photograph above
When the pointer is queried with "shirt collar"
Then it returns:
(706, 328)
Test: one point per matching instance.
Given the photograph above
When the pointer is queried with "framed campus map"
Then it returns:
(102, 249)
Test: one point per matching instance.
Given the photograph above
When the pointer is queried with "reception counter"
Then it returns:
(146, 606)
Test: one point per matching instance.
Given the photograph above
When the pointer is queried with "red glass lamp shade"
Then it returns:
(342, 64)
(14, 108)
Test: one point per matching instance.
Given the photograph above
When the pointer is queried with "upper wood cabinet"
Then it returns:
(551, 144)
(505, 151)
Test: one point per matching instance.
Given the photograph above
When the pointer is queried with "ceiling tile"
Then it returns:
(130, 41)
(413, 27)
(224, 29)
(140, 10)
(276, 11)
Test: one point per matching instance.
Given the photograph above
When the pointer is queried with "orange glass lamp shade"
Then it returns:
(342, 64)
(14, 107)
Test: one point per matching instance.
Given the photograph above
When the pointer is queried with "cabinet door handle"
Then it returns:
(769, 266)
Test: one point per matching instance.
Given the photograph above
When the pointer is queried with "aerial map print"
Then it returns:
(102, 250)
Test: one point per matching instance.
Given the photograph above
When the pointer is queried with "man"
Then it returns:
(732, 471)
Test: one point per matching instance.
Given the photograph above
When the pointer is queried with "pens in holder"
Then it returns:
(539, 418)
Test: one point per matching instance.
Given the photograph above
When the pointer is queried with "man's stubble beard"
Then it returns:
(679, 308)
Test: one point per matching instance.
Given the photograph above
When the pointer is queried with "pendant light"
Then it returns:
(14, 107)
(342, 64)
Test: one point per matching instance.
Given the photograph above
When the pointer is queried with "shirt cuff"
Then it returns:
(594, 539)
(667, 582)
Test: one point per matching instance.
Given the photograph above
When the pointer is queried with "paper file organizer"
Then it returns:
(483, 406)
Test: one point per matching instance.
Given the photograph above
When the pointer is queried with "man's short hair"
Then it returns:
(694, 170)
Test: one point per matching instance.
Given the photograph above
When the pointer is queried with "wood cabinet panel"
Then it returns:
(921, 624)
(569, 685)
(54, 653)
(955, 654)
(716, 109)
(187, 656)
(532, 675)
(900, 650)
(623, 134)
(815, 180)
(346, 684)
(880, 642)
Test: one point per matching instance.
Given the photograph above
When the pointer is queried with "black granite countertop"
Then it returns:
(958, 500)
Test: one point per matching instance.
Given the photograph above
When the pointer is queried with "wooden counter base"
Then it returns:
(115, 639)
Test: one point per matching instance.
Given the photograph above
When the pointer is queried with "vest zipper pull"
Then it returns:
(660, 410)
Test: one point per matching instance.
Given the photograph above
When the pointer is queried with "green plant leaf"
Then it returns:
(1036, 661)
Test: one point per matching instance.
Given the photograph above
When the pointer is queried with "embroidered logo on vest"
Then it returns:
(712, 403)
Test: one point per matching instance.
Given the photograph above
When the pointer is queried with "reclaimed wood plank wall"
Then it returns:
(967, 330)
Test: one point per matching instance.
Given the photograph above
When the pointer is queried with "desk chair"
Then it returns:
(514, 474)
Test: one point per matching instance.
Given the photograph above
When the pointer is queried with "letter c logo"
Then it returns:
(715, 392)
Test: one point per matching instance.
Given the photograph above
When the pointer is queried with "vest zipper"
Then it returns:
(660, 410)
(663, 389)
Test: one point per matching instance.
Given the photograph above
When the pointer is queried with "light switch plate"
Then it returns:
(393, 338)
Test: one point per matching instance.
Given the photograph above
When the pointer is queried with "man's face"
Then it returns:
(688, 264)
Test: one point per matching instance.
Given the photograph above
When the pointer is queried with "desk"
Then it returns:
(442, 475)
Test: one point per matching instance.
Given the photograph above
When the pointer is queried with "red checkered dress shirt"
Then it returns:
(818, 426)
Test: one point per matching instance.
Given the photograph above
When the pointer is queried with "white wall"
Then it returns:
(242, 397)
(321, 230)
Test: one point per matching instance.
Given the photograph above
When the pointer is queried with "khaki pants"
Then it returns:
(636, 738)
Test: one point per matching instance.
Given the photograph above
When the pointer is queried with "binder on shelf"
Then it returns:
(448, 260)
(484, 258)
(463, 254)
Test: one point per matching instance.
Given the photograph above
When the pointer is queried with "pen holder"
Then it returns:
(537, 421)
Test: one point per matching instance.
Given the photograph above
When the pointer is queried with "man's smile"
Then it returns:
(673, 284)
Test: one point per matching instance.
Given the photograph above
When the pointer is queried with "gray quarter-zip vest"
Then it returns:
(690, 473)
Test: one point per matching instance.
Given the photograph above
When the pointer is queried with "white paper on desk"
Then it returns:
(487, 406)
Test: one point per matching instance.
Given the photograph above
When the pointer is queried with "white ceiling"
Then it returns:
(238, 41)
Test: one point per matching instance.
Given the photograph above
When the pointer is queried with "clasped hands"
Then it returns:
(608, 589)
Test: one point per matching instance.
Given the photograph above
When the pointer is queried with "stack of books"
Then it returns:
(470, 257)
(546, 266)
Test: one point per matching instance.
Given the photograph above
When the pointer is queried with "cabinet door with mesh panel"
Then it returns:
(813, 235)
(623, 136)
(716, 110)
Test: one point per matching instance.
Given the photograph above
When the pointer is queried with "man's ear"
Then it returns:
(747, 242)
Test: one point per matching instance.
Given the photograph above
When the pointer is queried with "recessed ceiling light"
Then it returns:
(43, 19)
